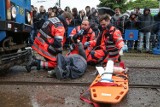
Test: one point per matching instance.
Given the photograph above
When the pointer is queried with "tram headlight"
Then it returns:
(28, 17)
(13, 12)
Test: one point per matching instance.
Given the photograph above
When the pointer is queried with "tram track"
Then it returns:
(87, 84)
(70, 84)
(142, 67)
(142, 56)
(134, 52)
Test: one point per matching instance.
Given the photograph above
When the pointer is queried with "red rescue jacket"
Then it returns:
(110, 41)
(89, 36)
(49, 40)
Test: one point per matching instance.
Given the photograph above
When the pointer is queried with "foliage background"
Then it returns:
(124, 5)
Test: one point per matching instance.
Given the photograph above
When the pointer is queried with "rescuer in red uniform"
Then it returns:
(107, 45)
(82, 33)
(49, 41)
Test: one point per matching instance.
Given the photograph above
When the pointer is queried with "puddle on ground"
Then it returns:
(43, 99)
(8, 99)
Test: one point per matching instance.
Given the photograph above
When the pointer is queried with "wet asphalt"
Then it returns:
(69, 96)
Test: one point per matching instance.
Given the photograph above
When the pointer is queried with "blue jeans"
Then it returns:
(130, 44)
(147, 38)
(158, 39)
(159, 36)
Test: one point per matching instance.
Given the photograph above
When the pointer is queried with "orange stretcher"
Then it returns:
(109, 92)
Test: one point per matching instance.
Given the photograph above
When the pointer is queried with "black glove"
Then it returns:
(75, 37)
(80, 32)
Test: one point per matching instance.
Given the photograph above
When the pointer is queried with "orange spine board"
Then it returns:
(109, 94)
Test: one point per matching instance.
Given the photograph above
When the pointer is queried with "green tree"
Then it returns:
(113, 3)
(130, 5)
(142, 4)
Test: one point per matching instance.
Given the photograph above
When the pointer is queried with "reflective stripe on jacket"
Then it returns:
(110, 41)
(49, 40)
(114, 42)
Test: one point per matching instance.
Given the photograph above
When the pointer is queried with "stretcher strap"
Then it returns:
(89, 101)
(104, 84)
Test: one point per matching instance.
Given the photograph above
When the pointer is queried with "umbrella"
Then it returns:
(104, 10)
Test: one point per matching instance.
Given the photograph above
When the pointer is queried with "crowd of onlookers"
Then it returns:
(147, 25)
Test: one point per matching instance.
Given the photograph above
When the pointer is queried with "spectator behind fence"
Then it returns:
(60, 11)
(116, 19)
(94, 21)
(157, 25)
(76, 18)
(88, 11)
(145, 27)
(137, 11)
(55, 10)
(33, 33)
(82, 15)
(67, 9)
(41, 17)
(51, 13)
(35, 13)
(131, 24)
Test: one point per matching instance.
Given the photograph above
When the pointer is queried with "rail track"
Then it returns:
(9, 82)
(135, 67)
(69, 84)
(140, 55)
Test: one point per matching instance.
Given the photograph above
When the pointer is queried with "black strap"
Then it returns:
(121, 76)
(110, 34)
(50, 45)
(45, 39)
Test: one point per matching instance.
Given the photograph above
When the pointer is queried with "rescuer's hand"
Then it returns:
(80, 33)
(75, 37)
(86, 44)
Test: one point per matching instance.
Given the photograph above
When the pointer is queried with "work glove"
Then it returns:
(80, 32)
(86, 44)
(75, 37)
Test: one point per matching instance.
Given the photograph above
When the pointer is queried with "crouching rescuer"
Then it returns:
(107, 45)
(81, 33)
(49, 41)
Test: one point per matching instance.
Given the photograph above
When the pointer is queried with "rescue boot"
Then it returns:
(81, 50)
(51, 73)
(33, 62)
(60, 73)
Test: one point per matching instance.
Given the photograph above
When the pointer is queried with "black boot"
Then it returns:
(60, 73)
(33, 62)
(81, 50)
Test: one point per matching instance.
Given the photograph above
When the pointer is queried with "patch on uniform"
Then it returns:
(118, 34)
(54, 20)
(45, 24)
